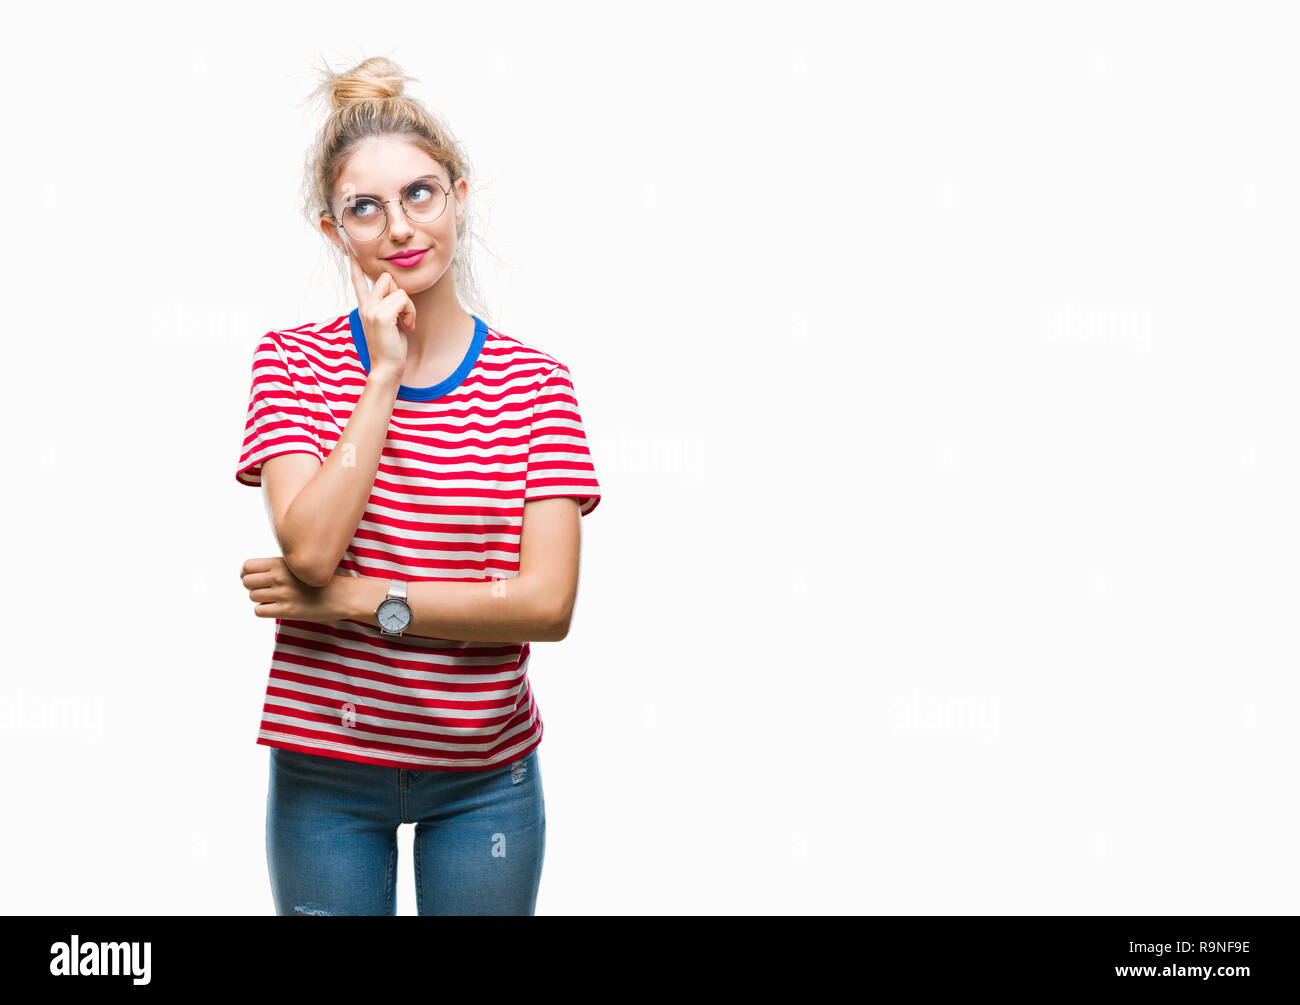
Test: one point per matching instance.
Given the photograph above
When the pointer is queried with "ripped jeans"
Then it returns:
(331, 836)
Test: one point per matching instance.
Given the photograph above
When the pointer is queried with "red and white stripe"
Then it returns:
(447, 504)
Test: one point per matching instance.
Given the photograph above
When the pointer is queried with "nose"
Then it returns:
(398, 222)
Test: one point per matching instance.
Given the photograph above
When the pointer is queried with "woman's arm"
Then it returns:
(503, 610)
(316, 508)
(536, 606)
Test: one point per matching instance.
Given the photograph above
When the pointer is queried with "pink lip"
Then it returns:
(406, 261)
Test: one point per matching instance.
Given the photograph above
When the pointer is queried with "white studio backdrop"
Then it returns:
(937, 362)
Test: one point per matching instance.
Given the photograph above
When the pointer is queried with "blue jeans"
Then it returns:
(331, 836)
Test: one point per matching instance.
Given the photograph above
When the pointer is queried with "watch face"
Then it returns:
(393, 614)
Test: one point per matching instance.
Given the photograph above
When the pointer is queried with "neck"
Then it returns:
(440, 324)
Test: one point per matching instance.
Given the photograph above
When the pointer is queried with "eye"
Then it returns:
(419, 194)
(364, 208)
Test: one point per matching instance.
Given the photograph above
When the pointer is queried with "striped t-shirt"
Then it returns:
(461, 459)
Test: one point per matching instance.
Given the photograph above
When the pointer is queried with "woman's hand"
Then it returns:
(278, 593)
(380, 309)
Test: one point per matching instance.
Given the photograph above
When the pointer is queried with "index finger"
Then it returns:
(360, 281)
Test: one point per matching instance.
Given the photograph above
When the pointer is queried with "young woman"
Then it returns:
(425, 475)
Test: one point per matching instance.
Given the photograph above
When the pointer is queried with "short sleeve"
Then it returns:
(278, 422)
(559, 463)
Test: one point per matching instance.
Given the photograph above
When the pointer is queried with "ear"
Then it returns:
(331, 231)
(462, 194)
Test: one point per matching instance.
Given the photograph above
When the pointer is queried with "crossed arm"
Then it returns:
(537, 605)
(534, 607)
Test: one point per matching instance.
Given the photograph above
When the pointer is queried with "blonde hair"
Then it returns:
(365, 101)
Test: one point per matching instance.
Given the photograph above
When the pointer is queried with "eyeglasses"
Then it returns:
(366, 218)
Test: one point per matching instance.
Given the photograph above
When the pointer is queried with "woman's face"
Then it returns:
(386, 168)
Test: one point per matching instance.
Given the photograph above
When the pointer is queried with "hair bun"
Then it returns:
(375, 78)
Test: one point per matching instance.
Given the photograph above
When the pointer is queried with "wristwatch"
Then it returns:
(393, 613)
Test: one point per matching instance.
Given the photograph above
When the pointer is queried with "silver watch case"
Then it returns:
(394, 610)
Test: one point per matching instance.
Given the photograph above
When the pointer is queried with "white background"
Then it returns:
(938, 366)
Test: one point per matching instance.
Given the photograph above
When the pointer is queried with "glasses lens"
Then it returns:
(424, 202)
(363, 220)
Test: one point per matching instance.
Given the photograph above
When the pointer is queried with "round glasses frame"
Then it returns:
(400, 200)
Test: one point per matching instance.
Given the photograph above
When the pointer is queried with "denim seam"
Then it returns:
(388, 880)
(419, 889)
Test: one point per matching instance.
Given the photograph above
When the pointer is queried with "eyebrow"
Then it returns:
(423, 177)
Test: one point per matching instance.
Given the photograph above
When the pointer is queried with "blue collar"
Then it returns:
(453, 381)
